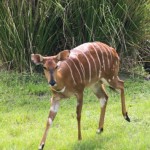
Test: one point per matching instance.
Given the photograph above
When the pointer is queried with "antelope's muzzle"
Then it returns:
(52, 82)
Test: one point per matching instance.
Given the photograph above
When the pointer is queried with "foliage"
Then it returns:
(48, 27)
(24, 106)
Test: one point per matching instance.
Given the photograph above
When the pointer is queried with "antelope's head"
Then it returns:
(49, 64)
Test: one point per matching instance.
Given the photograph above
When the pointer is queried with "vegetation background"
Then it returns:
(49, 26)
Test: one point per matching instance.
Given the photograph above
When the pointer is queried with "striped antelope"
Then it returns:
(68, 73)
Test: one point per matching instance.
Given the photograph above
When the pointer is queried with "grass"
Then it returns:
(24, 106)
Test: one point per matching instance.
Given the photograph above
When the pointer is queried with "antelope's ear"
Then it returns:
(37, 59)
(63, 55)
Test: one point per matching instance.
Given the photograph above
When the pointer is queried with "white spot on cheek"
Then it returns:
(102, 102)
(109, 80)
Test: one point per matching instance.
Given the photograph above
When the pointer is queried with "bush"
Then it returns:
(47, 27)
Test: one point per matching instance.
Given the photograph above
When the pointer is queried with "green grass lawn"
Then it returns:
(24, 107)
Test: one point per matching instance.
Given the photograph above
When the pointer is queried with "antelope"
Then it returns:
(92, 64)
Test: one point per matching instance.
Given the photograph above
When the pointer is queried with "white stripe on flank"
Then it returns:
(107, 58)
(108, 63)
(82, 68)
(110, 55)
(98, 59)
(108, 51)
(102, 55)
(99, 74)
(81, 65)
(88, 64)
(77, 69)
(104, 48)
(70, 72)
(94, 62)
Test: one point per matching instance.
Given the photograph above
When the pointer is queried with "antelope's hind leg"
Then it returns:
(99, 91)
(78, 111)
(116, 83)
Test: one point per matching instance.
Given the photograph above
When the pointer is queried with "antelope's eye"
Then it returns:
(44, 68)
(56, 67)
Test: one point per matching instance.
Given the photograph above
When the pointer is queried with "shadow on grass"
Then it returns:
(96, 142)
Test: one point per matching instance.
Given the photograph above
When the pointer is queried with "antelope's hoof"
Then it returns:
(41, 147)
(127, 117)
(99, 131)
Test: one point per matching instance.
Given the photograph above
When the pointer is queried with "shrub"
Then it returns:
(47, 27)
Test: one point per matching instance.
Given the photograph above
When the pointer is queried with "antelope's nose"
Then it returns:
(52, 82)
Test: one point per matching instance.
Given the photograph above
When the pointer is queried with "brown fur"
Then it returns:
(90, 64)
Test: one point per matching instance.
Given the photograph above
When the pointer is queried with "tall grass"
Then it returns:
(26, 28)
(48, 27)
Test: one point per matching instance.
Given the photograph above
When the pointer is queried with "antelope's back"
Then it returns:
(92, 61)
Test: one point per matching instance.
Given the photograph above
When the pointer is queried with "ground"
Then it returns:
(24, 106)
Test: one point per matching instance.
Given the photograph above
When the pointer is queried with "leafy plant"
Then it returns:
(48, 27)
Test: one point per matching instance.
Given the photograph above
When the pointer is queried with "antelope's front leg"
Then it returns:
(52, 113)
(101, 94)
(78, 111)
